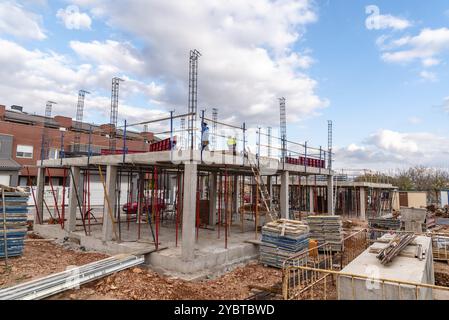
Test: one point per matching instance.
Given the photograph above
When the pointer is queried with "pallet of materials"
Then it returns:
(281, 240)
(327, 229)
(440, 248)
(13, 221)
(386, 222)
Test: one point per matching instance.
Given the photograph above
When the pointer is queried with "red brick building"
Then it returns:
(21, 142)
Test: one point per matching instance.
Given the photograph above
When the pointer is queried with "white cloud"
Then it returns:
(74, 19)
(414, 120)
(120, 55)
(426, 47)
(428, 76)
(391, 22)
(16, 21)
(35, 76)
(391, 149)
(393, 141)
(247, 47)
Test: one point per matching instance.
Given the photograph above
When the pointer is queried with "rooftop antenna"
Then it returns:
(183, 132)
(283, 118)
(45, 145)
(114, 112)
(269, 141)
(193, 93)
(79, 119)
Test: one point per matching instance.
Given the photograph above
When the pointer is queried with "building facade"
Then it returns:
(22, 134)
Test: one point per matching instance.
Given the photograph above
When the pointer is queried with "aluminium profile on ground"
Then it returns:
(69, 279)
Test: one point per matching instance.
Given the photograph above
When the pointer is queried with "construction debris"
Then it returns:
(394, 248)
(69, 279)
(13, 222)
(281, 239)
(386, 222)
(326, 229)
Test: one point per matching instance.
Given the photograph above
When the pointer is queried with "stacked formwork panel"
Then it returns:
(326, 229)
(281, 239)
(13, 217)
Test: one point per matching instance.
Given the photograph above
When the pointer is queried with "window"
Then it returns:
(24, 151)
(53, 153)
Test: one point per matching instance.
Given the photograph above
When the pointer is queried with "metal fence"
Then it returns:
(315, 274)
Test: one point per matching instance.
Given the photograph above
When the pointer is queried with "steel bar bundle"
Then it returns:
(69, 279)
(395, 247)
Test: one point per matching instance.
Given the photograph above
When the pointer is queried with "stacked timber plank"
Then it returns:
(326, 229)
(386, 222)
(282, 239)
(13, 227)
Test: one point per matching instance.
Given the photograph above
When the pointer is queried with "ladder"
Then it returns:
(265, 195)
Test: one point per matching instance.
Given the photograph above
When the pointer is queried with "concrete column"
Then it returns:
(189, 211)
(285, 214)
(213, 199)
(330, 195)
(70, 224)
(311, 199)
(362, 205)
(111, 182)
(40, 186)
(270, 189)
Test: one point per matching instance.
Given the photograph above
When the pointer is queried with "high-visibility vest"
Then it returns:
(232, 141)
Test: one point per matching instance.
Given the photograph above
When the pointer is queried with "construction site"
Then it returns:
(210, 210)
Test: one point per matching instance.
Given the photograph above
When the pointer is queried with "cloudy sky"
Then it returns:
(378, 69)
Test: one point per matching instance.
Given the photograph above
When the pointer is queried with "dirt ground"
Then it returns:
(44, 258)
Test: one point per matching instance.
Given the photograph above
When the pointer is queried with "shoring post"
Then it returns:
(178, 204)
(244, 142)
(202, 134)
(64, 182)
(219, 190)
(156, 201)
(54, 196)
(30, 182)
(171, 135)
(226, 207)
(197, 207)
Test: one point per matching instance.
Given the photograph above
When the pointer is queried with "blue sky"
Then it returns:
(382, 84)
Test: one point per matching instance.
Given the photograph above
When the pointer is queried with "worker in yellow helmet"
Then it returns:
(232, 144)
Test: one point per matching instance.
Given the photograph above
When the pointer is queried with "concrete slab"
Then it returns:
(210, 256)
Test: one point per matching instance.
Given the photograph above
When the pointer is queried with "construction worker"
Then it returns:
(232, 144)
(204, 137)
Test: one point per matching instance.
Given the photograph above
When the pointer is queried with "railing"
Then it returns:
(260, 143)
(326, 284)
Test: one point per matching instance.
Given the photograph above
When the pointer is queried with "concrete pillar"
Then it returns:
(70, 224)
(189, 211)
(362, 205)
(111, 182)
(285, 214)
(213, 199)
(311, 199)
(40, 186)
(330, 195)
